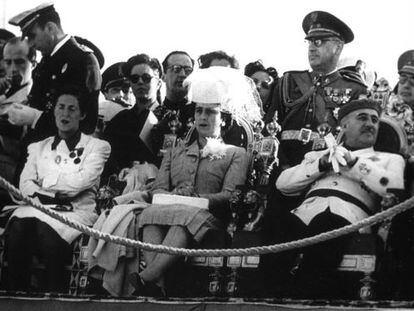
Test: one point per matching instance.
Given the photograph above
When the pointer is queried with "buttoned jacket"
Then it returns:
(51, 171)
(372, 176)
(214, 179)
(71, 65)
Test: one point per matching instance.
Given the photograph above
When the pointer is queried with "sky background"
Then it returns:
(269, 30)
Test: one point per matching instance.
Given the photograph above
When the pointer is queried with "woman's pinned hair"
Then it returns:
(253, 67)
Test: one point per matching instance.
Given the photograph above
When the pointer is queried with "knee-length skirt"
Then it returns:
(198, 221)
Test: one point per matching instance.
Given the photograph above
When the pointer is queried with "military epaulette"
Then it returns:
(85, 48)
(352, 76)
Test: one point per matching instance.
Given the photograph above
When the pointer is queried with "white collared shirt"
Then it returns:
(60, 44)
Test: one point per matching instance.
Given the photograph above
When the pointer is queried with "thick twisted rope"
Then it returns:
(259, 250)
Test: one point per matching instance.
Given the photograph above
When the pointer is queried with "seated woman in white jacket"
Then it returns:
(62, 171)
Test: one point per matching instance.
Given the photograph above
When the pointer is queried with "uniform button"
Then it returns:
(53, 77)
(384, 181)
(191, 171)
(310, 109)
(194, 159)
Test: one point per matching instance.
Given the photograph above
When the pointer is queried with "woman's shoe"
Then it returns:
(138, 283)
(145, 288)
(153, 290)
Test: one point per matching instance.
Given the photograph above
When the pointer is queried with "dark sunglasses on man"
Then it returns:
(146, 78)
(177, 69)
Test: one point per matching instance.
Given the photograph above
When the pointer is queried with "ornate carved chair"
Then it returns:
(220, 276)
(365, 249)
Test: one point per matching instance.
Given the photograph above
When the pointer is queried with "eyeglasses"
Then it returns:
(318, 42)
(146, 78)
(177, 69)
(404, 78)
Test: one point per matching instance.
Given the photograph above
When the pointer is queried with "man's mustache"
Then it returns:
(368, 129)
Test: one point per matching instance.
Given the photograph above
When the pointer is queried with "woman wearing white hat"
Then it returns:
(204, 166)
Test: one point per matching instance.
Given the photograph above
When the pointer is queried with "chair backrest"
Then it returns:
(391, 136)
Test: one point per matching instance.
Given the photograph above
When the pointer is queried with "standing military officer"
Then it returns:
(307, 101)
(64, 62)
(117, 91)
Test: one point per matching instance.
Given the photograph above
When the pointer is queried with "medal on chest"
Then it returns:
(337, 96)
(58, 159)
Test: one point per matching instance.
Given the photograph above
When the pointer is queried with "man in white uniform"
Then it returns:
(335, 199)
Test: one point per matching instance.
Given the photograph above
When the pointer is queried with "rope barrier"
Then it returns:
(258, 250)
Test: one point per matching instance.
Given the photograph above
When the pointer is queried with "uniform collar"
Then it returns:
(364, 151)
(60, 44)
(326, 78)
(71, 142)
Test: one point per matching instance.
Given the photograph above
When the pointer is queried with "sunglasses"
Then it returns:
(319, 42)
(404, 78)
(177, 69)
(146, 78)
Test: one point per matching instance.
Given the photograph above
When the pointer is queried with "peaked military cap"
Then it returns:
(406, 62)
(27, 18)
(320, 24)
(5, 34)
(113, 76)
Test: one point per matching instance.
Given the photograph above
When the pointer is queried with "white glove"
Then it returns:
(23, 115)
(337, 153)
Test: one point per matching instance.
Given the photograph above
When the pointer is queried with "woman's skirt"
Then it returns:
(65, 232)
(198, 221)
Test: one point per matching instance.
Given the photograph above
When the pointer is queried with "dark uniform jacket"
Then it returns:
(123, 133)
(169, 111)
(304, 100)
(70, 65)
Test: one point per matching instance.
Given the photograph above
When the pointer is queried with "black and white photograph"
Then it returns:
(206, 155)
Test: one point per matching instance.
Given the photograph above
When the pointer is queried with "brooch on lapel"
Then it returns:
(75, 154)
(214, 149)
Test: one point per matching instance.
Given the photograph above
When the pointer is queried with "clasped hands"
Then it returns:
(185, 189)
(336, 156)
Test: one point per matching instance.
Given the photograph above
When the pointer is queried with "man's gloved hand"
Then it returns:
(20, 115)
